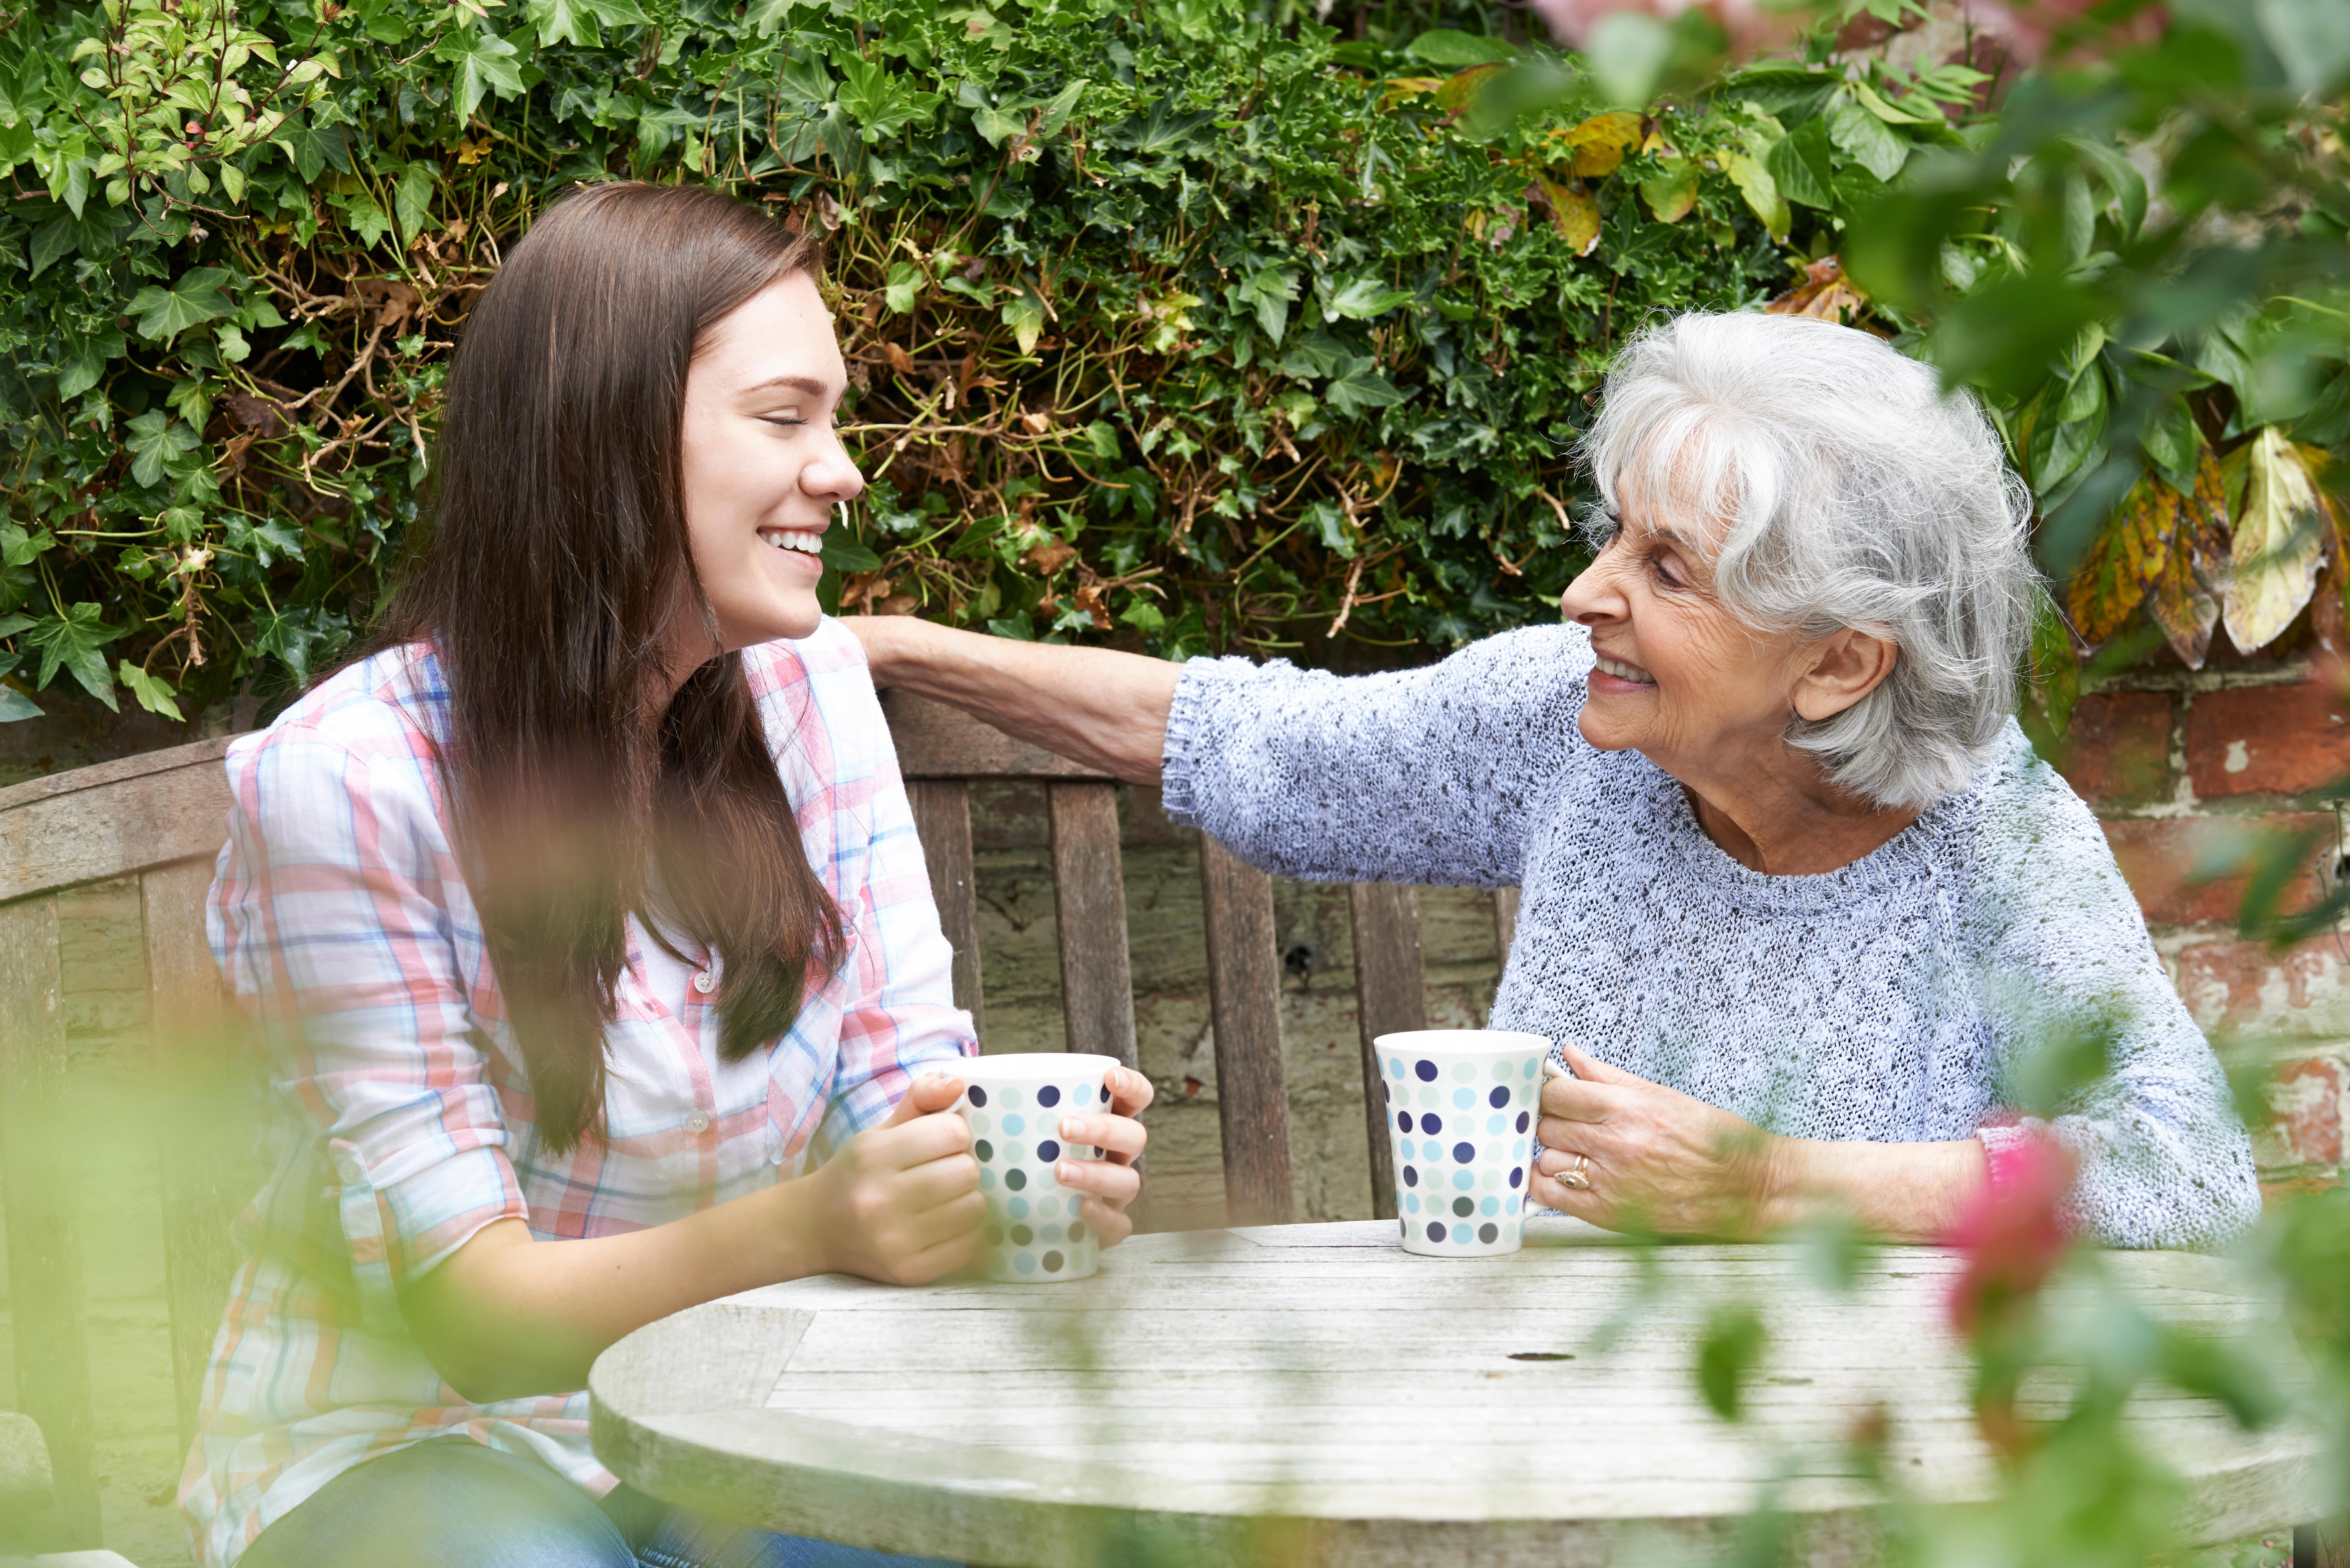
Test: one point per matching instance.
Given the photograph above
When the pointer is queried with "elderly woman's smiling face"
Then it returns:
(1680, 678)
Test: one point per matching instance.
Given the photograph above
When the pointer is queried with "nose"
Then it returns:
(832, 476)
(1595, 597)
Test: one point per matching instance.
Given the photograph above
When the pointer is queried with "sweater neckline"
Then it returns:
(1902, 861)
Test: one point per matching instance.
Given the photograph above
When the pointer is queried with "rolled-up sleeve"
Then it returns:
(899, 1012)
(333, 917)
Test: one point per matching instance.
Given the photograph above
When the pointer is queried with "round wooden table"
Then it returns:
(1313, 1394)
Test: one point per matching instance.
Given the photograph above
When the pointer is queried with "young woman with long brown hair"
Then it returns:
(584, 918)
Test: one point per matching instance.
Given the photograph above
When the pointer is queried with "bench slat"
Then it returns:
(1089, 899)
(205, 1149)
(942, 821)
(1505, 922)
(936, 742)
(45, 1278)
(1245, 998)
(113, 819)
(1390, 996)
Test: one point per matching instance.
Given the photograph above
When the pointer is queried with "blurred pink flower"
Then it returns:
(1751, 25)
(2026, 29)
(2023, 28)
(2013, 1233)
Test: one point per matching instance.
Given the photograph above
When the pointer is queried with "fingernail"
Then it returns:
(1072, 1129)
(1065, 1172)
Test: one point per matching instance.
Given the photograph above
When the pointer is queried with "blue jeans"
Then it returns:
(453, 1503)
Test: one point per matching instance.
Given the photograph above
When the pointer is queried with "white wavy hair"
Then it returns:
(1855, 492)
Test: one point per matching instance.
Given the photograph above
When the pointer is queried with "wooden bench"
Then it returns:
(158, 818)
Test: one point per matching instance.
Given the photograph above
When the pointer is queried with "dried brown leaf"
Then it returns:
(2185, 598)
(2131, 555)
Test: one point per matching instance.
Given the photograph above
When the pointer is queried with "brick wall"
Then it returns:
(2185, 767)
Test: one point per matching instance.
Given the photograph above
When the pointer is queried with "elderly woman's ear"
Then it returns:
(1842, 667)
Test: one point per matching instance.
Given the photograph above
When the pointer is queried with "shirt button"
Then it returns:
(349, 1168)
(696, 1124)
(705, 981)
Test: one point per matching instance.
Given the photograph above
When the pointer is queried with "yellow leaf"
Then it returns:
(1762, 191)
(2185, 598)
(1574, 213)
(2279, 542)
(1463, 86)
(2131, 555)
(1404, 88)
(1672, 192)
(1619, 129)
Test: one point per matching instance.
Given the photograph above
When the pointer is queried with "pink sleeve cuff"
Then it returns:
(2007, 1153)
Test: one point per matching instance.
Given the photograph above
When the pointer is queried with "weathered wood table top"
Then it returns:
(1313, 1394)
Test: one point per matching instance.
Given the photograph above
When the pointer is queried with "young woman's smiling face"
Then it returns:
(764, 466)
(1680, 678)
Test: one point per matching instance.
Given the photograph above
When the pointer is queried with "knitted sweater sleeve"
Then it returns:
(2162, 1159)
(1428, 775)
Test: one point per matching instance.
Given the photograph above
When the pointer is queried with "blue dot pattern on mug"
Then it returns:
(1033, 1228)
(1461, 1164)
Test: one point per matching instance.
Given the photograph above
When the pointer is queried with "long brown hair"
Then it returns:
(556, 567)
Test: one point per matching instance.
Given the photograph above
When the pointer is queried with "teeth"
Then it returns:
(794, 539)
(1624, 671)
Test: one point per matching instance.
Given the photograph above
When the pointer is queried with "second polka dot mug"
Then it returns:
(1460, 1108)
(1014, 1104)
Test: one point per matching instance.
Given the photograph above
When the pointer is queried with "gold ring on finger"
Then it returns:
(1575, 1179)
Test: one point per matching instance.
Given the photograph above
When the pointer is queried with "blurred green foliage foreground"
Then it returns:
(1177, 321)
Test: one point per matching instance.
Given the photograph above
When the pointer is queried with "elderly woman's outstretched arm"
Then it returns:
(1092, 705)
(1427, 776)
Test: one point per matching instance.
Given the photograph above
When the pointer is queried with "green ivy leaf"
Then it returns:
(996, 126)
(1365, 299)
(485, 64)
(1864, 139)
(367, 220)
(1268, 291)
(411, 199)
(564, 22)
(843, 553)
(14, 705)
(1056, 112)
(1025, 314)
(154, 693)
(1761, 193)
(1449, 47)
(154, 437)
(903, 287)
(300, 636)
(75, 642)
(879, 102)
(1360, 386)
(271, 540)
(313, 151)
(164, 313)
(1798, 162)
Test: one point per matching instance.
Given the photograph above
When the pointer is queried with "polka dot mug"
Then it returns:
(1014, 1103)
(1460, 1109)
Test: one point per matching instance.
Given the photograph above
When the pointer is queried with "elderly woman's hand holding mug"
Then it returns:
(1626, 1153)
(1621, 1152)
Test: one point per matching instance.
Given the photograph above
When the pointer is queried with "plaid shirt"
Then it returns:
(398, 1118)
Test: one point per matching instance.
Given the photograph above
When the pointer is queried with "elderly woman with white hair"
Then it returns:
(1799, 899)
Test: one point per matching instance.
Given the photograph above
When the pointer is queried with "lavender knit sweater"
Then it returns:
(1884, 1001)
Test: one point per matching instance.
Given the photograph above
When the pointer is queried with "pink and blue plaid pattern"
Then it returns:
(398, 1116)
